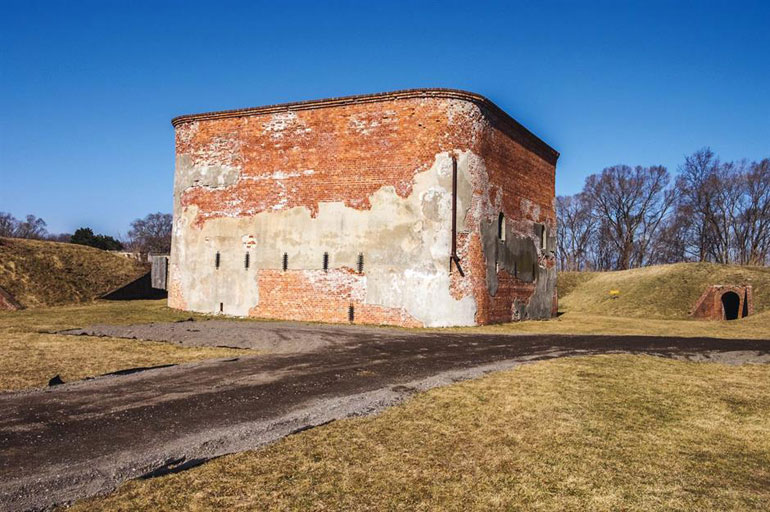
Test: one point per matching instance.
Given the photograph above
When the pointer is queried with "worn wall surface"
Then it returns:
(709, 306)
(521, 264)
(367, 177)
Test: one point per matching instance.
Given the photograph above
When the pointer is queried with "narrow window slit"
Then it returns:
(351, 313)
(285, 262)
(361, 263)
(326, 261)
(246, 261)
(216, 260)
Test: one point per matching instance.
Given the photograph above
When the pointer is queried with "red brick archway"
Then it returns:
(724, 302)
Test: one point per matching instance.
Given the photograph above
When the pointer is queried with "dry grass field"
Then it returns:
(653, 301)
(660, 291)
(615, 432)
(589, 433)
(30, 355)
(40, 273)
(570, 322)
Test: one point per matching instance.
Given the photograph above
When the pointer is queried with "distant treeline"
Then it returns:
(627, 217)
(149, 234)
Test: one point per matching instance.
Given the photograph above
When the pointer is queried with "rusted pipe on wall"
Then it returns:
(453, 258)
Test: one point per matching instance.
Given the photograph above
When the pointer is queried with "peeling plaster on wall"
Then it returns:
(208, 176)
(346, 180)
(338, 282)
(283, 124)
(406, 243)
(530, 210)
(366, 124)
(381, 157)
(519, 259)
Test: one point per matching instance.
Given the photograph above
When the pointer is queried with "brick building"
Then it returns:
(427, 207)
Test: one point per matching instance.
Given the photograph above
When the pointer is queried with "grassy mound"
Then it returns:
(39, 273)
(661, 291)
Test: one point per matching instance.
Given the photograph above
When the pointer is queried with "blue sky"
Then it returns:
(87, 89)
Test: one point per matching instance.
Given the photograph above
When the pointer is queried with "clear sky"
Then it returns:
(87, 89)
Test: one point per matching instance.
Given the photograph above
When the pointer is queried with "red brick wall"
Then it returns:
(527, 182)
(318, 296)
(346, 153)
(709, 305)
(354, 150)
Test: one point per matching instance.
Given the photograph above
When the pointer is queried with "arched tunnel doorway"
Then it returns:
(731, 305)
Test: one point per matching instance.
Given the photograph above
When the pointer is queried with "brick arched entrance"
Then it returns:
(724, 302)
(731, 306)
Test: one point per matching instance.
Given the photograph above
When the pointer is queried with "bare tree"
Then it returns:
(670, 242)
(152, 233)
(630, 203)
(726, 186)
(8, 224)
(752, 226)
(574, 231)
(31, 227)
(695, 195)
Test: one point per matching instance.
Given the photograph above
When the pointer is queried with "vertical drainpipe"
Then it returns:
(453, 257)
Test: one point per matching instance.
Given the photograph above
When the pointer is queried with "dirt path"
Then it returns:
(83, 438)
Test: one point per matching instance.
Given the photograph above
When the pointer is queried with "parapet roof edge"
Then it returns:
(370, 98)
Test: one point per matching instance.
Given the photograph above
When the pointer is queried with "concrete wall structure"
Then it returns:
(341, 209)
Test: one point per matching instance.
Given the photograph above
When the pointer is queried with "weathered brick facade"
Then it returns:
(341, 209)
(724, 302)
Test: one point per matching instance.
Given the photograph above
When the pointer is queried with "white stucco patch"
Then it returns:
(405, 243)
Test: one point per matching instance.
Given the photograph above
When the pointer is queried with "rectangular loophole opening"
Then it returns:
(221, 307)
(361, 263)
(351, 313)
(216, 260)
(285, 264)
(326, 262)
(246, 261)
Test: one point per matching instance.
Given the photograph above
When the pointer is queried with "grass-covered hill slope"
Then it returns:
(39, 273)
(661, 291)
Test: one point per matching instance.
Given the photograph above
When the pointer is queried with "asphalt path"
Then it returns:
(84, 438)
